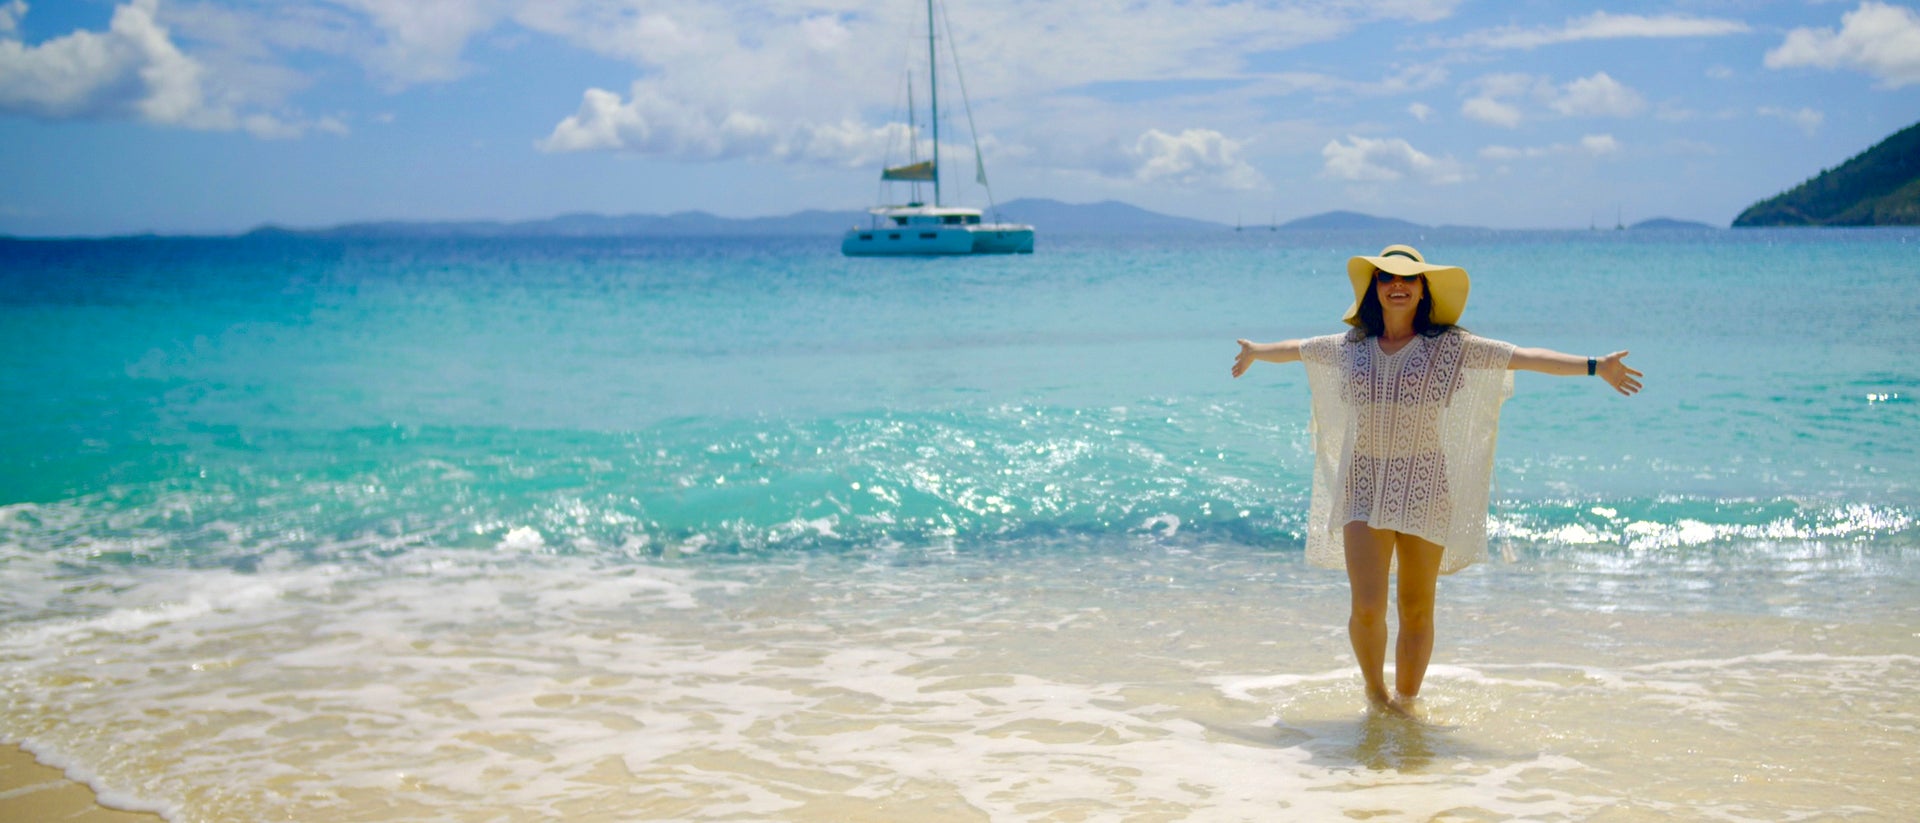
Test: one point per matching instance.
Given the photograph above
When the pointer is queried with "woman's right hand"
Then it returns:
(1244, 360)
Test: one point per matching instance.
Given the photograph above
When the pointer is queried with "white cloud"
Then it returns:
(133, 70)
(422, 41)
(1405, 81)
(1808, 120)
(1592, 145)
(1194, 157)
(1497, 98)
(1368, 160)
(653, 123)
(1013, 47)
(10, 14)
(1420, 111)
(1491, 111)
(1597, 96)
(1603, 26)
(1599, 144)
(1491, 92)
(751, 57)
(1876, 38)
(130, 70)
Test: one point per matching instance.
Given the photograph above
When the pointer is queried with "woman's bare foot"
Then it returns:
(1380, 702)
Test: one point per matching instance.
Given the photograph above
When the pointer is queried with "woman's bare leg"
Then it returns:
(1419, 572)
(1369, 558)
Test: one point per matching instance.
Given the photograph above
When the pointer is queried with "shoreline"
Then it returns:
(31, 790)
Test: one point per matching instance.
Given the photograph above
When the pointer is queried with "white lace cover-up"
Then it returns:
(1404, 441)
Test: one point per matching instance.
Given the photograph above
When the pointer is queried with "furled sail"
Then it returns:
(922, 170)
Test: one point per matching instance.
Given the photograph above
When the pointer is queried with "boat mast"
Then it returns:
(933, 88)
(913, 138)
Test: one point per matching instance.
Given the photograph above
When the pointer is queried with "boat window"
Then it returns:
(951, 220)
(866, 237)
(973, 219)
(899, 221)
(929, 235)
(893, 235)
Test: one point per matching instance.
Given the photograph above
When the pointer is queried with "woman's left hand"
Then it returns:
(1622, 377)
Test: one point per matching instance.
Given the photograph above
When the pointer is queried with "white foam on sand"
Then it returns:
(1140, 680)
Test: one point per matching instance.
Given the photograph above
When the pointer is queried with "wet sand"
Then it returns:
(30, 790)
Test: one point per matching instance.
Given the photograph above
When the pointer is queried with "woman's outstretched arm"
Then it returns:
(1285, 351)
(1612, 368)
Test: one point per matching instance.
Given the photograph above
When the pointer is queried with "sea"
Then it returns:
(614, 529)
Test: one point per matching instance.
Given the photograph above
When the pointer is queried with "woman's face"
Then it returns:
(1398, 293)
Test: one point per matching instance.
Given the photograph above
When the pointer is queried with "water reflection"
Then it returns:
(1390, 742)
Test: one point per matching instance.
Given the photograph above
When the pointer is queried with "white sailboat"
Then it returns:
(918, 228)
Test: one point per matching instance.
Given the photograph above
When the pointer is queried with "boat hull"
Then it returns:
(906, 241)
(992, 238)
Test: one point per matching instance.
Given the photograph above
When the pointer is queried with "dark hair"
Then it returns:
(1373, 324)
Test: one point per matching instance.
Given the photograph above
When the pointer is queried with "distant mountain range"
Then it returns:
(1051, 217)
(1347, 221)
(1670, 224)
(1877, 187)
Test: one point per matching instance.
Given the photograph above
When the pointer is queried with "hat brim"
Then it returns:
(1447, 285)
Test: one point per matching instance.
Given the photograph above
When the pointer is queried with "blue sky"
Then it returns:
(215, 116)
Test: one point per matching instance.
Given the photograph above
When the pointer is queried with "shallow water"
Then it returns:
(653, 529)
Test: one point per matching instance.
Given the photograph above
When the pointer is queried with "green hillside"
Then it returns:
(1878, 187)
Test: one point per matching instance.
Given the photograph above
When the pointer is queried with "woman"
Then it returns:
(1406, 407)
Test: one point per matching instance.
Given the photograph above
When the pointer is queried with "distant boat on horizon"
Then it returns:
(918, 228)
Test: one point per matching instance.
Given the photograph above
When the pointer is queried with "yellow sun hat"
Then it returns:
(1447, 285)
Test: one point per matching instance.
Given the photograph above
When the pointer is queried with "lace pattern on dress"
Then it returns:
(1404, 441)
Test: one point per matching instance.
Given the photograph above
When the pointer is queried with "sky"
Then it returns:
(217, 116)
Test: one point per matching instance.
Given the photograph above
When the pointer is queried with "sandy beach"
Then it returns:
(30, 790)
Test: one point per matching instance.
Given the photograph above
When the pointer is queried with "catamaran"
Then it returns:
(919, 228)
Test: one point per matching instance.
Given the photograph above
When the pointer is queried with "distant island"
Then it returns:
(1051, 216)
(1347, 221)
(1878, 187)
(1670, 224)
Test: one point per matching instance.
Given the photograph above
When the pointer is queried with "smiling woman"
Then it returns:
(1406, 407)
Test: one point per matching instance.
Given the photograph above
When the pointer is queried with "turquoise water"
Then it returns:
(683, 528)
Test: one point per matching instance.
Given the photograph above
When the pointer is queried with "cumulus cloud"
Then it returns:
(1497, 98)
(1491, 93)
(1592, 145)
(717, 58)
(1491, 111)
(1603, 26)
(1420, 111)
(1598, 144)
(1194, 157)
(1597, 96)
(653, 123)
(133, 70)
(1876, 38)
(1369, 160)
